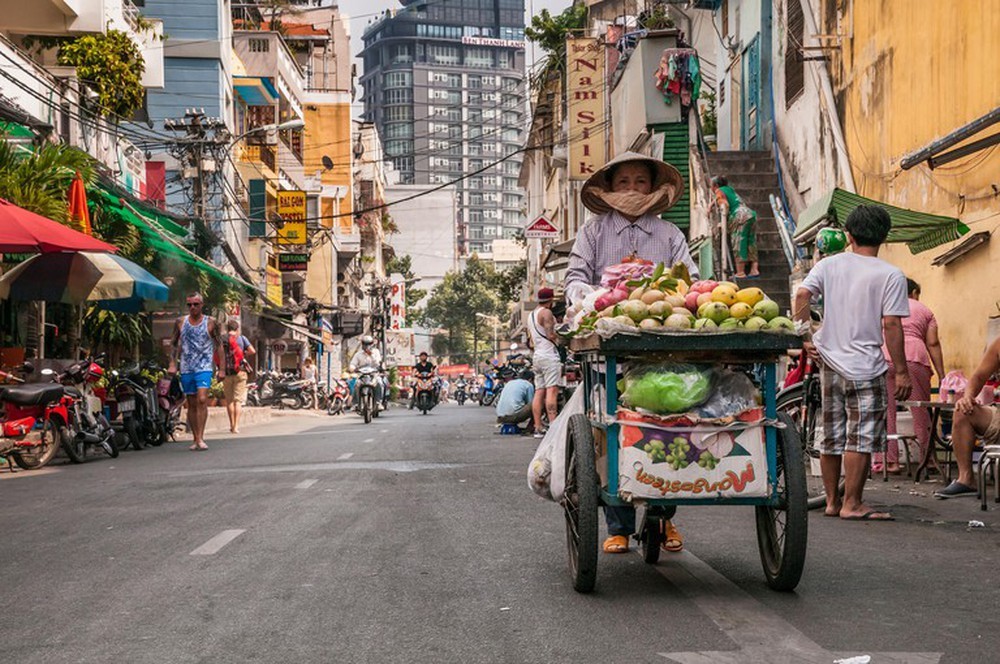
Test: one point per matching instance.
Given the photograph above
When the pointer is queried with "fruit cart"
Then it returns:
(604, 468)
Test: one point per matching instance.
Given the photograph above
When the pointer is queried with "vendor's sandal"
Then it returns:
(673, 541)
(616, 544)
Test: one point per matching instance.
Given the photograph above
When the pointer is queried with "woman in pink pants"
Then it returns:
(923, 351)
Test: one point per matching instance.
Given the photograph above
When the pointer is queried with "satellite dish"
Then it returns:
(327, 163)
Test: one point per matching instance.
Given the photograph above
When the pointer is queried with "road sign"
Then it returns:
(279, 346)
(541, 229)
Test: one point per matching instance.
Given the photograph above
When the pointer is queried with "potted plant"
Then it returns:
(215, 393)
(709, 118)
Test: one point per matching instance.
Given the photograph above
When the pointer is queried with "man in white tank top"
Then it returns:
(545, 359)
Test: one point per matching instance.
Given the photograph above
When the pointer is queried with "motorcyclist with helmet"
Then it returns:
(423, 366)
(368, 356)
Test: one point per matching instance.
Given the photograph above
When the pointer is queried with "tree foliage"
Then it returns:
(404, 265)
(39, 180)
(454, 303)
(111, 65)
(550, 33)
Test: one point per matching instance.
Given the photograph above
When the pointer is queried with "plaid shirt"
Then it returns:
(608, 239)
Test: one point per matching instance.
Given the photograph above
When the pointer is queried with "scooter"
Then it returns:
(136, 398)
(34, 421)
(272, 389)
(339, 397)
(169, 400)
(424, 386)
(490, 390)
(368, 407)
(460, 394)
(87, 422)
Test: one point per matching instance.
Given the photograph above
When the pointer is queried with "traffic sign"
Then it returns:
(541, 229)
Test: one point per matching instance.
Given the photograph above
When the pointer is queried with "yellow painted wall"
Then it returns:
(328, 132)
(914, 71)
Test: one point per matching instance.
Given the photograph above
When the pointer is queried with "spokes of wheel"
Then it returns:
(580, 504)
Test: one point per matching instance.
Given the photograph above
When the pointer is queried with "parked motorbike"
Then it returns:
(490, 390)
(424, 387)
(87, 423)
(169, 400)
(135, 396)
(339, 397)
(281, 390)
(368, 379)
(34, 421)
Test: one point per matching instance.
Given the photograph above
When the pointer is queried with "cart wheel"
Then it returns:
(782, 530)
(652, 536)
(580, 504)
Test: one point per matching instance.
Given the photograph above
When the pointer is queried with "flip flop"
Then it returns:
(194, 448)
(673, 541)
(870, 516)
(616, 544)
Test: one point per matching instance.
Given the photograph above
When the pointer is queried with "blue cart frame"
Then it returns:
(785, 506)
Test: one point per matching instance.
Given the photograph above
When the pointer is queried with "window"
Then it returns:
(474, 149)
(398, 130)
(454, 80)
(454, 131)
(403, 163)
(478, 57)
(795, 67)
(475, 131)
(399, 96)
(398, 79)
(510, 84)
(454, 97)
(475, 98)
(511, 101)
(490, 231)
(476, 198)
(399, 114)
(400, 54)
(454, 114)
(442, 55)
(398, 148)
(437, 95)
(475, 115)
(475, 164)
(511, 217)
(474, 82)
(475, 216)
(511, 135)
(505, 59)
(511, 201)
(510, 184)
(511, 118)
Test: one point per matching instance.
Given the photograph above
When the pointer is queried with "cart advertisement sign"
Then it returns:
(692, 462)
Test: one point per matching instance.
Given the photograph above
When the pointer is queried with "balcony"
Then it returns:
(261, 154)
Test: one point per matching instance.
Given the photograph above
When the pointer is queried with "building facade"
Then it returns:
(444, 83)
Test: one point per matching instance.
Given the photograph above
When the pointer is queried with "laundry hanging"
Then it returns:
(678, 75)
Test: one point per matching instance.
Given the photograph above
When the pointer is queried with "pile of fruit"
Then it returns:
(666, 299)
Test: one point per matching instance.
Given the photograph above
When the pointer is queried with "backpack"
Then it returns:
(234, 354)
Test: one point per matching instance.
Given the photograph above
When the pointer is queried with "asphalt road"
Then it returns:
(416, 539)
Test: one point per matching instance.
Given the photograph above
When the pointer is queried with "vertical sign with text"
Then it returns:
(292, 210)
(397, 301)
(585, 91)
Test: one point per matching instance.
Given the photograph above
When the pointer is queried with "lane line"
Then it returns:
(213, 545)
(760, 634)
(345, 456)
(305, 484)
(368, 440)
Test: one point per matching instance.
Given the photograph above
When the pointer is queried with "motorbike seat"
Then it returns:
(34, 394)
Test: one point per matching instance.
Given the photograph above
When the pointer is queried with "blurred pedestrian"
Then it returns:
(923, 351)
(309, 374)
(742, 225)
(236, 348)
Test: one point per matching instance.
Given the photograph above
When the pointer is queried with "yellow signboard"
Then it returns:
(292, 210)
(273, 290)
(586, 88)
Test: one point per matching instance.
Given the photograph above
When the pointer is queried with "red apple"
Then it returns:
(691, 300)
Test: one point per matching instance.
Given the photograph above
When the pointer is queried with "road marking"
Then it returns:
(368, 440)
(393, 466)
(213, 545)
(345, 456)
(383, 431)
(305, 484)
(761, 635)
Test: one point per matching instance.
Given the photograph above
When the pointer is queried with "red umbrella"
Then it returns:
(22, 231)
(78, 213)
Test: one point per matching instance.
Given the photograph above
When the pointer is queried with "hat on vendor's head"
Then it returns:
(667, 180)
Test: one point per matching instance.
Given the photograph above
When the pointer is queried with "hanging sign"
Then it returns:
(293, 262)
(397, 302)
(541, 229)
(273, 290)
(292, 210)
(585, 91)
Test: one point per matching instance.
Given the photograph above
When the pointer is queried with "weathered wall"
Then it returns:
(907, 74)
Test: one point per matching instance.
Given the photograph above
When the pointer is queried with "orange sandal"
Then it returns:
(616, 544)
(672, 541)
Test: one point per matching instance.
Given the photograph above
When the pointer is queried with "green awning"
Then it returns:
(161, 232)
(918, 230)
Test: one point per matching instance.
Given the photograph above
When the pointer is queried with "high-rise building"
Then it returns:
(444, 83)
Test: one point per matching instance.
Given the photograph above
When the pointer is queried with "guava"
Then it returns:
(781, 324)
(730, 324)
(649, 323)
(680, 321)
(766, 309)
(705, 324)
(660, 309)
(635, 309)
(624, 320)
(652, 295)
(716, 311)
(755, 323)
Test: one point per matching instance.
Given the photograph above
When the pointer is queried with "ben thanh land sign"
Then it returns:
(293, 262)
(541, 229)
(585, 88)
(292, 210)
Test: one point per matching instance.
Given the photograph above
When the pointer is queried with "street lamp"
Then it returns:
(496, 323)
(296, 123)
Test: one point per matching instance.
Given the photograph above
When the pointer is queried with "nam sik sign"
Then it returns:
(585, 90)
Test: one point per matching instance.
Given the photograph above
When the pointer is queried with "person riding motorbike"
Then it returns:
(368, 356)
(423, 366)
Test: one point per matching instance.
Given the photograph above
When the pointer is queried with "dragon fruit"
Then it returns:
(617, 275)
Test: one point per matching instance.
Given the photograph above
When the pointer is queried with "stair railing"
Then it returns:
(701, 177)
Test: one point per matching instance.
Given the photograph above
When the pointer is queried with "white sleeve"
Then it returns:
(814, 280)
(895, 300)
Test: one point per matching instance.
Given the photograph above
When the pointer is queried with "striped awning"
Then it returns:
(918, 230)
(255, 90)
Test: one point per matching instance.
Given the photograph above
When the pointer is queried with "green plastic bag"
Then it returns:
(667, 389)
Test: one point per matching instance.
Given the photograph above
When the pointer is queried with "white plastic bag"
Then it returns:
(547, 470)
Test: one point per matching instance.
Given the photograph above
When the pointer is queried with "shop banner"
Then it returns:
(273, 291)
(296, 262)
(585, 91)
(701, 461)
(292, 210)
(397, 301)
(399, 348)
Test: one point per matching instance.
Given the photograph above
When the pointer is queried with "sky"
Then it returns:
(361, 12)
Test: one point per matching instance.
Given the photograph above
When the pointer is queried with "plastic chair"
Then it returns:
(895, 439)
(989, 459)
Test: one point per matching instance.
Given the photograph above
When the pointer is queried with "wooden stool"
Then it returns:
(989, 459)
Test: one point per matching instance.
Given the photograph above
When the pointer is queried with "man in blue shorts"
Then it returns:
(195, 340)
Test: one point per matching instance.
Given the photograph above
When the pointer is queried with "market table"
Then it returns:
(936, 408)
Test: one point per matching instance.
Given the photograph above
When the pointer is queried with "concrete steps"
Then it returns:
(754, 177)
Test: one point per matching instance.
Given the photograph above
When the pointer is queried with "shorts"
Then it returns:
(547, 373)
(234, 387)
(854, 414)
(192, 382)
(992, 433)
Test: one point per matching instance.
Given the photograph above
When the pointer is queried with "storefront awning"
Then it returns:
(557, 257)
(255, 90)
(918, 230)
